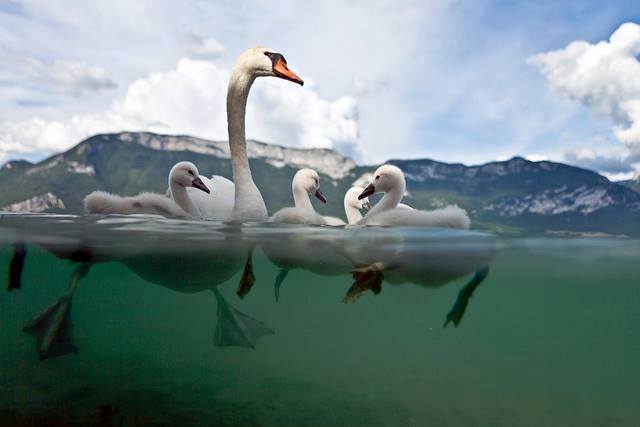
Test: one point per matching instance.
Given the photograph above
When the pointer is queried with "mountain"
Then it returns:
(513, 195)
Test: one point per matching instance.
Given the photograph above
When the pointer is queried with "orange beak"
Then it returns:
(281, 70)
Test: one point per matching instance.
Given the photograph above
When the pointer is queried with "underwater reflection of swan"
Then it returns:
(439, 257)
(316, 249)
(429, 258)
(205, 265)
(182, 265)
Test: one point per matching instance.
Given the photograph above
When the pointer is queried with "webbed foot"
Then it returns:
(236, 329)
(365, 278)
(53, 330)
(52, 327)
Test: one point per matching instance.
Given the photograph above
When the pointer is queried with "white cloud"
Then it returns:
(611, 163)
(203, 47)
(603, 77)
(622, 176)
(75, 77)
(191, 100)
(536, 157)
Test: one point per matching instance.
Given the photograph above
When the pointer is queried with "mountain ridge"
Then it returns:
(515, 194)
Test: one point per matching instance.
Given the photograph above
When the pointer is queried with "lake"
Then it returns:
(140, 320)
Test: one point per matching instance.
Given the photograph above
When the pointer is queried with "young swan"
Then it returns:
(182, 175)
(352, 207)
(305, 182)
(389, 179)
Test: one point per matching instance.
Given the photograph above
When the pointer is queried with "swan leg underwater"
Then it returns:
(457, 311)
(248, 278)
(52, 327)
(16, 265)
(282, 274)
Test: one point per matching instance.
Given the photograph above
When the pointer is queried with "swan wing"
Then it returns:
(332, 220)
(297, 216)
(449, 217)
(100, 202)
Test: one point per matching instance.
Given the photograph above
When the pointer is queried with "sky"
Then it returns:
(456, 81)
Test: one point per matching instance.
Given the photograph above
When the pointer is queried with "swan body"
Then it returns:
(448, 217)
(248, 204)
(305, 182)
(389, 179)
(217, 205)
(181, 176)
(333, 220)
(101, 202)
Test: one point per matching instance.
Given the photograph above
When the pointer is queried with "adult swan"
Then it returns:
(241, 200)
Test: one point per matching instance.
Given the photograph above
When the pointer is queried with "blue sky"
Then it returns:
(458, 81)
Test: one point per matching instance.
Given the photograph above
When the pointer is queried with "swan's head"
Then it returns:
(351, 199)
(186, 174)
(309, 181)
(386, 178)
(264, 62)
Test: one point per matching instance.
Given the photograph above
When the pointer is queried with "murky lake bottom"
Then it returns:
(549, 337)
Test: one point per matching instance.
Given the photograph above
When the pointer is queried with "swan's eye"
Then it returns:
(316, 182)
(190, 173)
(275, 57)
(377, 176)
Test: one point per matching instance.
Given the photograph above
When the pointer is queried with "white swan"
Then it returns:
(241, 200)
(305, 182)
(182, 175)
(389, 179)
(352, 208)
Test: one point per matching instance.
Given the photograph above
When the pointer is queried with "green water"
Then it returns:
(550, 337)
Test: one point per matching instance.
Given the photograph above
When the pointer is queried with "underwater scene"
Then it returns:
(140, 320)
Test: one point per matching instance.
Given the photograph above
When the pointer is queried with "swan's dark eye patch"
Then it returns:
(190, 173)
(275, 57)
(377, 176)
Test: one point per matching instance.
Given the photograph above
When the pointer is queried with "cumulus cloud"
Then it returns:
(191, 99)
(603, 77)
(615, 165)
(203, 47)
(536, 157)
(75, 77)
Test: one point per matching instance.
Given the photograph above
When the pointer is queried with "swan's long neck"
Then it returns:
(248, 204)
(301, 197)
(389, 201)
(182, 199)
(353, 214)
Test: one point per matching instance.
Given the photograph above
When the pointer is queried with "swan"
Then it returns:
(305, 182)
(181, 176)
(352, 208)
(241, 200)
(390, 180)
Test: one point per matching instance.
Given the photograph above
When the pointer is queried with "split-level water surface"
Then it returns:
(141, 320)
